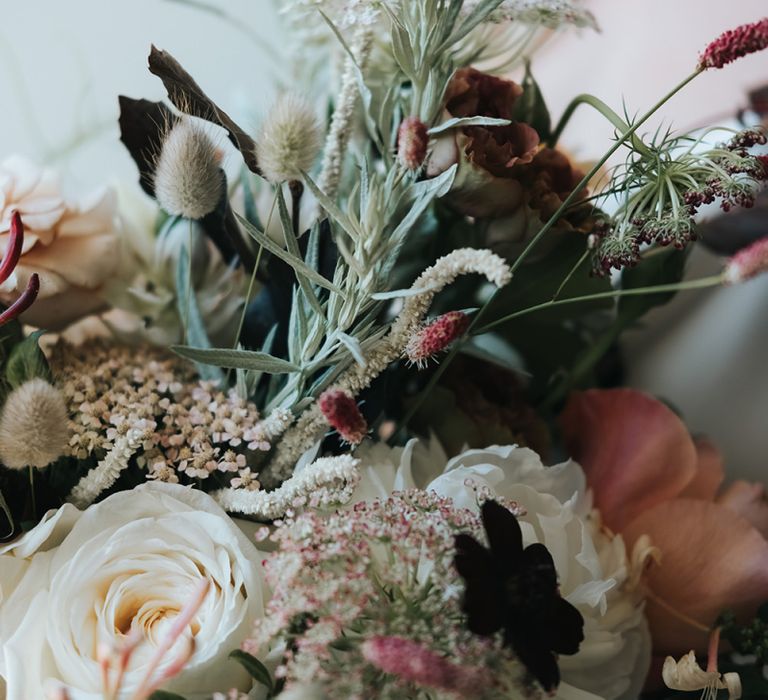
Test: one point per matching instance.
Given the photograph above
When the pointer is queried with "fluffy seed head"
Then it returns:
(747, 263)
(342, 414)
(33, 426)
(412, 141)
(735, 43)
(188, 180)
(436, 337)
(290, 139)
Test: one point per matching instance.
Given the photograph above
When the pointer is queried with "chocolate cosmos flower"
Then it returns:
(514, 589)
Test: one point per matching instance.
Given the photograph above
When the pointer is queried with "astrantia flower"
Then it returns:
(514, 589)
(367, 602)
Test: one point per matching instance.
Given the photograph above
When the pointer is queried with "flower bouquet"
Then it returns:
(342, 416)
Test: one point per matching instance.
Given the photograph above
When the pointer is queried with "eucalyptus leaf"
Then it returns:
(258, 670)
(460, 122)
(298, 265)
(27, 361)
(234, 359)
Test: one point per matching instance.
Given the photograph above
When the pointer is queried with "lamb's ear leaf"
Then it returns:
(188, 97)
(257, 669)
(142, 124)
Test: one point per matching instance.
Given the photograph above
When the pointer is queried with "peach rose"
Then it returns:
(649, 477)
(72, 247)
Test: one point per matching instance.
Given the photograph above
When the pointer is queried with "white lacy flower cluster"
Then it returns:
(547, 13)
(596, 574)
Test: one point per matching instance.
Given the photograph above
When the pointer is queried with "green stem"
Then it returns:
(535, 240)
(32, 491)
(597, 104)
(701, 283)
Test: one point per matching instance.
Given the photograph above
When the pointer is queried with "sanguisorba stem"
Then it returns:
(620, 141)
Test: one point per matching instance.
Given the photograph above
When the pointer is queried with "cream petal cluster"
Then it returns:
(596, 575)
(72, 246)
(82, 581)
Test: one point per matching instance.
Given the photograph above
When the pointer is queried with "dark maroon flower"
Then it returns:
(514, 589)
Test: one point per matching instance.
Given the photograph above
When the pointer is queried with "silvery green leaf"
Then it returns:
(244, 359)
(437, 186)
(354, 348)
(496, 350)
(298, 265)
(293, 249)
(457, 122)
(186, 301)
(333, 211)
(475, 18)
(401, 293)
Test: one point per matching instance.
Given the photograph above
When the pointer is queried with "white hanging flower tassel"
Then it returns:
(445, 271)
(687, 675)
(107, 471)
(327, 482)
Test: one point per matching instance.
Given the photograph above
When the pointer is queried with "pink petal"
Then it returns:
(711, 560)
(750, 501)
(635, 451)
(709, 474)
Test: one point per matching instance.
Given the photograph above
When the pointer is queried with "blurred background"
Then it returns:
(62, 65)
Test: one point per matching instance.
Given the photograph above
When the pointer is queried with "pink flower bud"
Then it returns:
(436, 336)
(412, 140)
(342, 414)
(416, 664)
(747, 263)
(735, 43)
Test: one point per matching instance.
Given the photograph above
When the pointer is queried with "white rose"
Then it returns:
(72, 247)
(595, 573)
(84, 578)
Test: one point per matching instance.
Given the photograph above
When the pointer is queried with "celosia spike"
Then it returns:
(24, 301)
(341, 411)
(747, 263)
(412, 141)
(13, 251)
(436, 337)
(734, 44)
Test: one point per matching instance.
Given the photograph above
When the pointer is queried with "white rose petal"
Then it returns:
(81, 579)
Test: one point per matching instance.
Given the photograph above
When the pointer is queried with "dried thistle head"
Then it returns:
(290, 139)
(33, 426)
(188, 180)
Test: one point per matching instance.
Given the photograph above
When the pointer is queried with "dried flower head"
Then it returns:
(412, 142)
(341, 411)
(33, 426)
(435, 337)
(290, 139)
(734, 44)
(747, 263)
(188, 179)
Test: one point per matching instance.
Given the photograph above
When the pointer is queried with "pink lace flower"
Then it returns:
(735, 43)
(341, 411)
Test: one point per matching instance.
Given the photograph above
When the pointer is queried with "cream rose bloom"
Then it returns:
(72, 247)
(84, 578)
(595, 572)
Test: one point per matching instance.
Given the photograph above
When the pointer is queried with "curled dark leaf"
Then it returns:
(188, 97)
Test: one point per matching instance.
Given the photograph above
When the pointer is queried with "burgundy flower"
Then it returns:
(514, 589)
(734, 44)
(342, 413)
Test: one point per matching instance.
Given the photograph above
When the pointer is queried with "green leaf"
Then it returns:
(165, 695)
(186, 301)
(531, 108)
(236, 359)
(298, 265)
(457, 122)
(258, 670)
(332, 209)
(27, 361)
(402, 293)
(495, 349)
(7, 512)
